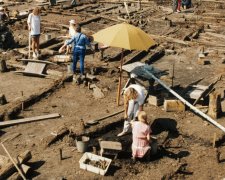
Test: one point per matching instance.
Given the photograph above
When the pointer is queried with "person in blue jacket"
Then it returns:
(80, 41)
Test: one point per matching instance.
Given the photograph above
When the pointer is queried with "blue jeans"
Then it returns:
(78, 54)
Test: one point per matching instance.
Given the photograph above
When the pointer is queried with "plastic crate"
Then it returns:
(91, 168)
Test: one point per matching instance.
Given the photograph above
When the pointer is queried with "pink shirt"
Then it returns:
(140, 143)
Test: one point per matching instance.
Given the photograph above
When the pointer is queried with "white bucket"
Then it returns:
(82, 144)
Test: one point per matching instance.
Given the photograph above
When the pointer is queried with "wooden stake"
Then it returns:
(60, 155)
(10, 157)
(214, 105)
(120, 80)
(22, 105)
(172, 75)
(3, 66)
(214, 140)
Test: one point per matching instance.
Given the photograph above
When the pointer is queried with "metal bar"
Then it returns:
(196, 110)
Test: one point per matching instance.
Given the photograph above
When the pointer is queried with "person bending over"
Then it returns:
(134, 97)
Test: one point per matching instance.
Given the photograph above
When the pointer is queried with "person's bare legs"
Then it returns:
(34, 46)
(37, 45)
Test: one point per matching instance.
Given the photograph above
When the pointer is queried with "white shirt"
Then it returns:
(141, 93)
(35, 24)
(72, 32)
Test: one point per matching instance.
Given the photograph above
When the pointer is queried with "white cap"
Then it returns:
(132, 75)
(72, 21)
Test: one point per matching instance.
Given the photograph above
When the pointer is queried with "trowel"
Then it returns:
(96, 121)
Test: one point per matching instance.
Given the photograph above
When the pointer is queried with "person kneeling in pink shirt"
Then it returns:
(141, 136)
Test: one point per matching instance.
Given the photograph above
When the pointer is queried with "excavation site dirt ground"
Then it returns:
(189, 53)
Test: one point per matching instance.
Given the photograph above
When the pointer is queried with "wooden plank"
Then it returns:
(200, 87)
(102, 118)
(132, 66)
(87, 21)
(209, 88)
(31, 119)
(62, 58)
(33, 67)
(215, 35)
(37, 61)
(213, 1)
(30, 74)
(195, 94)
(111, 145)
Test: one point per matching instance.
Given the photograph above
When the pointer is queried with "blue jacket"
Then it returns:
(80, 41)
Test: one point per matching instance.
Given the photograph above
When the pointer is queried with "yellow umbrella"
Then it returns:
(124, 36)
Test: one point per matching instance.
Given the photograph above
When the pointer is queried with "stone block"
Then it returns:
(173, 105)
(155, 100)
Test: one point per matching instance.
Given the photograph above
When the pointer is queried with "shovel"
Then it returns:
(29, 45)
(96, 121)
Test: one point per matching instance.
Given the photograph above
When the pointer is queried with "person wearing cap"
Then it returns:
(72, 32)
(134, 97)
(34, 26)
(141, 136)
(80, 41)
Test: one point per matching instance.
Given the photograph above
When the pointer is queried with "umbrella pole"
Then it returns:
(120, 80)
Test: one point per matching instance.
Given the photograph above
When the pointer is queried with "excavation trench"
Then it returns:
(11, 110)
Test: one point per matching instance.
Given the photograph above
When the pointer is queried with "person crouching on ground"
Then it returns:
(134, 97)
(34, 26)
(80, 41)
(72, 32)
(141, 137)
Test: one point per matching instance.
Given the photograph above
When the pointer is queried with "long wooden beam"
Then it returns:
(26, 120)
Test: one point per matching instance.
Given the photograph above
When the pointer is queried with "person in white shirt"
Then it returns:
(72, 32)
(134, 97)
(34, 26)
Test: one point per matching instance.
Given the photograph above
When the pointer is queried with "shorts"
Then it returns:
(35, 35)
